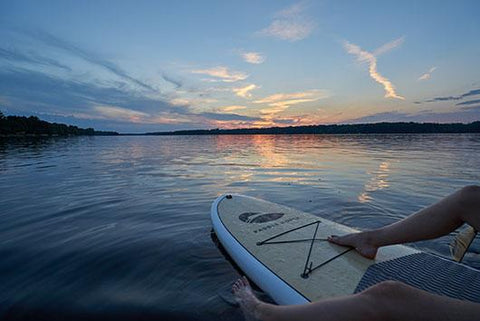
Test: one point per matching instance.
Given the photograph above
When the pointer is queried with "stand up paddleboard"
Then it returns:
(285, 252)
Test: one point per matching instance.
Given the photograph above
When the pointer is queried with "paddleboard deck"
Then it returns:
(285, 251)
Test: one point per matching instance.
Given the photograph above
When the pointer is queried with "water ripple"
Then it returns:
(119, 227)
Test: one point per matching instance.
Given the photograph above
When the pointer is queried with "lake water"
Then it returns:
(119, 227)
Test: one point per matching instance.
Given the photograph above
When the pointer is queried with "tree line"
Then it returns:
(372, 128)
(21, 125)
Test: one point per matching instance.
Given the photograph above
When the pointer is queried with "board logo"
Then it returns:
(255, 217)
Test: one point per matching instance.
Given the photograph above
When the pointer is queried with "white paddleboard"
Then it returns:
(271, 244)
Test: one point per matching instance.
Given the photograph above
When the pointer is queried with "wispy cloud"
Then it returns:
(290, 24)
(473, 92)
(195, 102)
(389, 46)
(171, 80)
(222, 73)
(370, 58)
(121, 114)
(282, 101)
(28, 88)
(16, 56)
(78, 101)
(111, 105)
(465, 116)
(244, 92)
(232, 108)
(287, 96)
(469, 102)
(427, 75)
(228, 117)
(66, 46)
(253, 57)
(472, 108)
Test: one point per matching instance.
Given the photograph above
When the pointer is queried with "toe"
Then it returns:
(335, 239)
(340, 240)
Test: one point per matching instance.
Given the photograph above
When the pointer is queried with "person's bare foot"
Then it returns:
(362, 242)
(246, 299)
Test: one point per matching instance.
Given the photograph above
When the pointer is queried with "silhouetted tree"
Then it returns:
(20, 125)
(375, 128)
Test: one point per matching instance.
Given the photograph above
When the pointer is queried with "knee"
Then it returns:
(470, 191)
(469, 194)
(387, 290)
(385, 297)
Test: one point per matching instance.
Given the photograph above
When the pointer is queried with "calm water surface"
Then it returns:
(119, 227)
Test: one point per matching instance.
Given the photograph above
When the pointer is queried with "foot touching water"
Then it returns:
(246, 299)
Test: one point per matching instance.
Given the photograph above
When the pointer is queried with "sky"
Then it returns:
(142, 66)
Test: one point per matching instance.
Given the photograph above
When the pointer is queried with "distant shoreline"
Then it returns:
(20, 126)
(371, 128)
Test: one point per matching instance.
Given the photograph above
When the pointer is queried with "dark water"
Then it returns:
(119, 227)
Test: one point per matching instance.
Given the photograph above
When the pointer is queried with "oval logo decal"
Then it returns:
(255, 217)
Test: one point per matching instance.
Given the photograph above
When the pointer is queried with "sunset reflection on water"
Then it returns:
(134, 211)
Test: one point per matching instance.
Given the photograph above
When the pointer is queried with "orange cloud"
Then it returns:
(232, 108)
(244, 92)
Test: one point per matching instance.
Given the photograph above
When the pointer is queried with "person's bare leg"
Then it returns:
(436, 220)
(352, 308)
(387, 301)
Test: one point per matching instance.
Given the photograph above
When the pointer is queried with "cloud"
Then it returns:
(172, 81)
(371, 59)
(232, 108)
(191, 101)
(427, 75)
(389, 46)
(465, 116)
(56, 42)
(286, 96)
(389, 116)
(472, 108)
(282, 101)
(119, 113)
(283, 105)
(13, 55)
(473, 92)
(469, 102)
(286, 121)
(448, 98)
(90, 105)
(134, 116)
(290, 24)
(222, 73)
(244, 92)
(31, 91)
(253, 57)
(227, 117)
